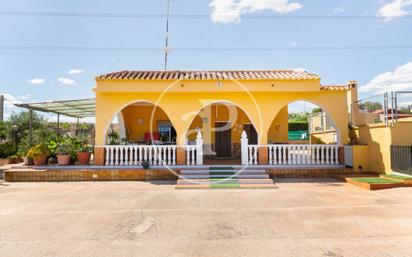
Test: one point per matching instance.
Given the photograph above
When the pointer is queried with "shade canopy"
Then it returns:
(80, 108)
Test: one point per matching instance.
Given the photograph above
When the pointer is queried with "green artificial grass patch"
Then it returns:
(222, 173)
(220, 168)
(225, 185)
(401, 177)
(374, 180)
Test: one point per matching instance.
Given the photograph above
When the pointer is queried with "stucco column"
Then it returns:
(180, 156)
(99, 156)
(263, 156)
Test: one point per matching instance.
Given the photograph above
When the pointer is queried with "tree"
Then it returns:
(317, 110)
(298, 117)
(370, 106)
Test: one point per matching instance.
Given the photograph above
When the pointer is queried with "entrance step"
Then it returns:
(217, 181)
(224, 178)
(235, 176)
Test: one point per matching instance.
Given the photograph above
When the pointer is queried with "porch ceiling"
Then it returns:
(80, 108)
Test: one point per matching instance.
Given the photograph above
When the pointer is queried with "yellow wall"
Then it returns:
(379, 138)
(278, 131)
(182, 100)
(327, 137)
(131, 115)
(218, 113)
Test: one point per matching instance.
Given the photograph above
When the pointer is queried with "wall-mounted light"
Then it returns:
(182, 85)
(219, 84)
(273, 85)
(279, 127)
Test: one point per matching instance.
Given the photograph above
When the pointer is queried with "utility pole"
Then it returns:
(1, 108)
(166, 49)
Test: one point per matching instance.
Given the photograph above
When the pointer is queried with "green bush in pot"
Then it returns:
(39, 153)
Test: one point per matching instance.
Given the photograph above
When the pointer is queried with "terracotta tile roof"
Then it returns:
(206, 75)
(334, 87)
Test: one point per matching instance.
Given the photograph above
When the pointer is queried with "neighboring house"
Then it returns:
(380, 114)
(169, 108)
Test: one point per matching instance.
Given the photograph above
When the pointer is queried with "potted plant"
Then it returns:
(84, 153)
(63, 153)
(39, 153)
(145, 165)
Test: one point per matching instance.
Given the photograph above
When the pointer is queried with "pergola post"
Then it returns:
(58, 124)
(77, 126)
(30, 127)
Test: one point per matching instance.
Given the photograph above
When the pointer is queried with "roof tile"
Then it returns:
(205, 75)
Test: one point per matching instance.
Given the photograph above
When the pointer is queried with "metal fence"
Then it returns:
(387, 108)
(401, 159)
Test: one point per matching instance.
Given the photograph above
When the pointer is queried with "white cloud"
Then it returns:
(395, 9)
(294, 43)
(74, 71)
(226, 11)
(405, 104)
(340, 9)
(300, 70)
(67, 82)
(37, 81)
(399, 79)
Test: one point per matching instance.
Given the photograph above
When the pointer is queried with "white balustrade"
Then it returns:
(253, 154)
(303, 154)
(285, 154)
(127, 155)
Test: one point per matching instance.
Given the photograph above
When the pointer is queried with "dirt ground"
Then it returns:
(300, 218)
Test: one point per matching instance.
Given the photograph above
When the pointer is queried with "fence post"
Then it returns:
(199, 150)
(244, 148)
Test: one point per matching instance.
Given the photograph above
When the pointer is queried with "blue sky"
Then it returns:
(34, 75)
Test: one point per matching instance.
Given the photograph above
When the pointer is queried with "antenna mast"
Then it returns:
(166, 49)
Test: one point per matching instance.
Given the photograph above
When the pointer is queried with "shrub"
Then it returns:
(14, 159)
(39, 151)
(7, 149)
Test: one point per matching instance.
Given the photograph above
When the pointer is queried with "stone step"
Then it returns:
(238, 176)
(239, 181)
(206, 172)
(240, 186)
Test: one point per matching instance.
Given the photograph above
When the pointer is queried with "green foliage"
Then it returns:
(39, 151)
(370, 106)
(298, 117)
(4, 130)
(7, 149)
(317, 110)
(114, 138)
(298, 126)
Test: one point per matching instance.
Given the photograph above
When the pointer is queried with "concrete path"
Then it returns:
(320, 218)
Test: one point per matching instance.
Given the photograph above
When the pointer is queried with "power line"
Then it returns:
(202, 49)
(192, 16)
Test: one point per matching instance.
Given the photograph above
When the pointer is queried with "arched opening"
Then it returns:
(303, 122)
(141, 123)
(221, 124)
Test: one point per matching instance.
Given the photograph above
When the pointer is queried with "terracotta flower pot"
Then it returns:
(84, 158)
(28, 161)
(63, 159)
(39, 161)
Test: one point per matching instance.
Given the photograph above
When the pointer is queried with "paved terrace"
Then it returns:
(321, 218)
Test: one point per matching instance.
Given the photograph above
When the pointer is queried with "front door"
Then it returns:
(223, 139)
(251, 134)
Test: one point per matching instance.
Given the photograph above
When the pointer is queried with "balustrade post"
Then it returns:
(199, 148)
(244, 148)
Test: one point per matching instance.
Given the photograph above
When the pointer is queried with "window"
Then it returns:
(166, 131)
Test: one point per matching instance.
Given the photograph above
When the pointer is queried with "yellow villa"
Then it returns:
(192, 117)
